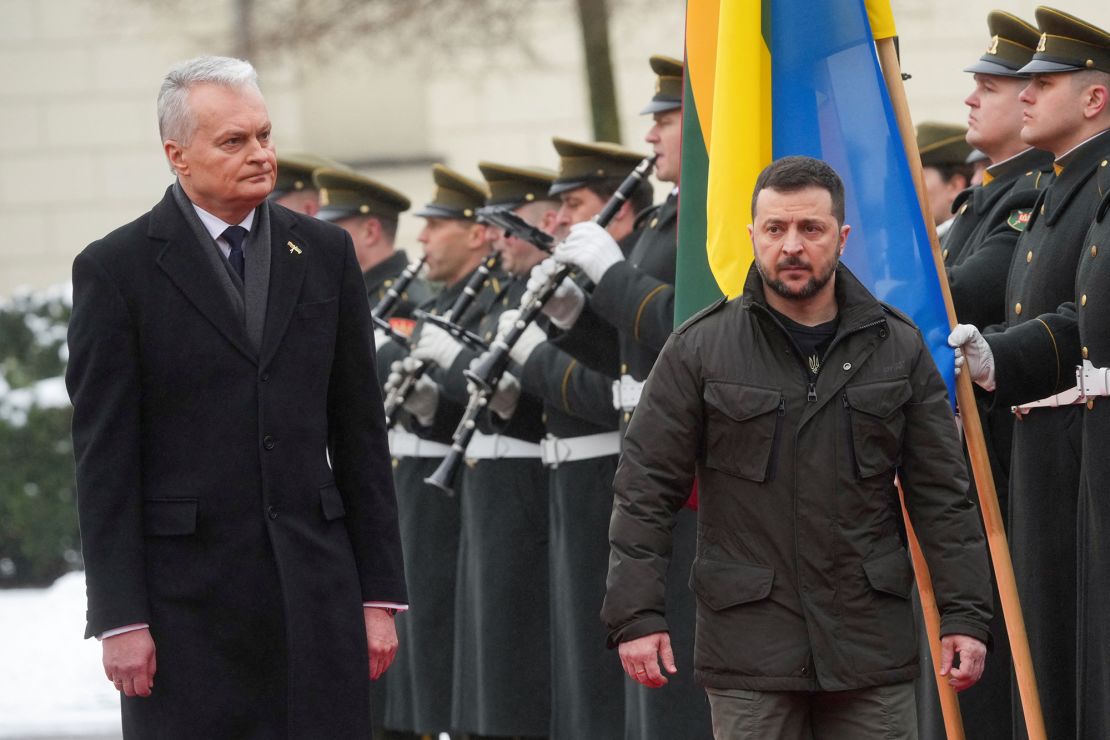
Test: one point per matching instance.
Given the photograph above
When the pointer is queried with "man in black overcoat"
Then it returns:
(237, 512)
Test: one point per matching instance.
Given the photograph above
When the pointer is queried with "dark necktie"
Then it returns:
(235, 236)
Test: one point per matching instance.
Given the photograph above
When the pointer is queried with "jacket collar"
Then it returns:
(187, 267)
(856, 307)
(1081, 164)
(387, 268)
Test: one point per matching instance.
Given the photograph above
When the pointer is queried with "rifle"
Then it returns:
(486, 374)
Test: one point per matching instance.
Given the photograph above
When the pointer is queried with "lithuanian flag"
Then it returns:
(771, 78)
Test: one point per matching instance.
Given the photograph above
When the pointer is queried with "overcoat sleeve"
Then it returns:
(359, 446)
(103, 382)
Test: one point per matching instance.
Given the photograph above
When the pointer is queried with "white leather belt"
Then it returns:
(407, 444)
(626, 393)
(1070, 397)
(1093, 381)
(499, 447)
(557, 450)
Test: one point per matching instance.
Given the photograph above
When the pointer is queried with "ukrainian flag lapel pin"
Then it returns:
(293, 248)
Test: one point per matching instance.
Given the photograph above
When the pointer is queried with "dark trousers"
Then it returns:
(875, 713)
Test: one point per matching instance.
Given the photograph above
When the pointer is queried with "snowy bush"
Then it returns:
(38, 519)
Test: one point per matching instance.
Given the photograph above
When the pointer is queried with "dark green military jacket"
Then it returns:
(379, 279)
(989, 219)
(1092, 291)
(1035, 354)
(802, 578)
(635, 296)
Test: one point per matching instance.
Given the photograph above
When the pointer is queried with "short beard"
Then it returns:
(812, 286)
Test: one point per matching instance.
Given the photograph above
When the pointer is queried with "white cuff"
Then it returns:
(120, 630)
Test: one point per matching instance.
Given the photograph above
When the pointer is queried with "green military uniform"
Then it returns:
(635, 297)
(345, 194)
(977, 253)
(1035, 353)
(419, 684)
(1092, 291)
(580, 451)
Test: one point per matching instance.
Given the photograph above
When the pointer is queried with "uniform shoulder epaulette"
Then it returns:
(897, 314)
(711, 308)
(644, 216)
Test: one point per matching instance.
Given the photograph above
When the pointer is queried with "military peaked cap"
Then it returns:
(294, 172)
(668, 84)
(344, 194)
(1012, 44)
(942, 143)
(510, 186)
(456, 196)
(581, 163)
(1068, 44)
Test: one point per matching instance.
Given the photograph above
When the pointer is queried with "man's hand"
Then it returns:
(381, 639)
(973, 352)
(641, 658)
(590, 248)
(129, 662)
(436, 346)
(532, 337)
(973, 657)
(566, 303)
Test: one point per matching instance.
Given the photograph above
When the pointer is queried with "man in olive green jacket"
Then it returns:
(795, 406)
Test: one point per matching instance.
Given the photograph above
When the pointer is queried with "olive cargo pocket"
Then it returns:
(876, 423)
(742, 424)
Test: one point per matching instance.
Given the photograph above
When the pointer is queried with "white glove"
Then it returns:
(532, 337)
(590, 248)
(380, 338)
(565, 304)
(505, 398)
(424, 398)
(436, 346)
(974, 352)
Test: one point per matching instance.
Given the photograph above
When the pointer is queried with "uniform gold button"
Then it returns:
(963, 208)
(1094, 250)
(1090, 403)
(1029, 256)
(1017, 308)
(944, 254)
(1042, 210)
(1084, 353)
(1083, 300)
(654, 223)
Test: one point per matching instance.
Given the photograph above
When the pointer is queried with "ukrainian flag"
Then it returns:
(768, 79)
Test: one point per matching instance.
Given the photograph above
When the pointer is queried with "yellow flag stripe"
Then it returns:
(882, 19)
(701, 59)
(741, 146)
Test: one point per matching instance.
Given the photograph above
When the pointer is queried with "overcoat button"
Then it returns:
(271, 512)
(268, 442)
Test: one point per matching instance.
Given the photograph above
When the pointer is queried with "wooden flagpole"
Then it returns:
(973, 431)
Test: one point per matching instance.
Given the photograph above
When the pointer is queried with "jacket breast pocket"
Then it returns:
(742, 424)
(170, 517)
(316, 309)
(876, 423)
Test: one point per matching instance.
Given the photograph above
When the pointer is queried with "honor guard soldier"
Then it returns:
(501, 686)
(455, 245)
(370, 211)
(1030, 359)
(944, 152)
(978, 248)
(294, 188)
(580, 450)
(635, 297)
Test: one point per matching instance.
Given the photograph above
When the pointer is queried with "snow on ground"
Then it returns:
(51, 680)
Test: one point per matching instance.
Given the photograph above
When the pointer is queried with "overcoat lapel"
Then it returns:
(288, 260)
(184, 263)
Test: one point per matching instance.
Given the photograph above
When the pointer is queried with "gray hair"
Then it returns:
(175, 117)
